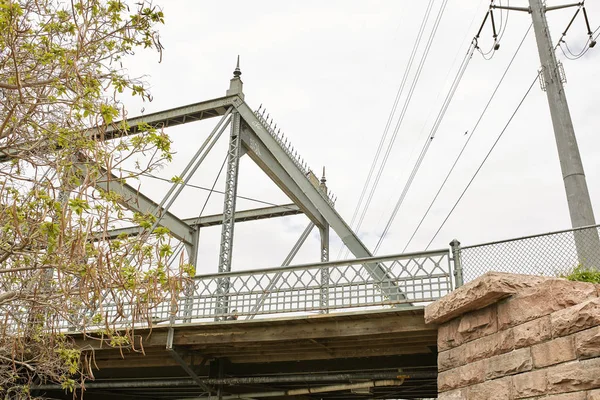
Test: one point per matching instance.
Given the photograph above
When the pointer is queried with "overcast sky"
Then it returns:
(328, 73)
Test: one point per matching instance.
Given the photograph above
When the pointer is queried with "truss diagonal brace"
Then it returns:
(288, 260)
(177, 357)
(268, 162)
(377, 271)
(138, 202)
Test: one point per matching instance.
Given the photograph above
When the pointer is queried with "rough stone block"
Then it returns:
(529, 384)
(565, 396)
(553, 352)
(593, 395)
(451, 359)
(459, 394)
(498, 389)
(489, 346)
(587, 343)
(549, 296)
(466, 375)
(480, 323)
(576, 318)
(532, 332)
(508, 364)
(448, 336)
(480, 293)
(574, 376)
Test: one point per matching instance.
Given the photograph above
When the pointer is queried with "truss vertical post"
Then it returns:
(325, 271)
(192, 251)
(225, 253)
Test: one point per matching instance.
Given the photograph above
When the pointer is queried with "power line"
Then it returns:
(497, 40)
(403, 111)
(437, 123)
(483, 162)
(148, 175)
(591, 41)
(212, 190)
(180, 246)
(572, 56)
(469, 138)
(428, 141)
(392, 113)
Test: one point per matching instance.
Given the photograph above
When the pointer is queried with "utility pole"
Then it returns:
(578, 197)
(587, 241)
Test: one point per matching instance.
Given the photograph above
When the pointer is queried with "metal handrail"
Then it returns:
(337, 263)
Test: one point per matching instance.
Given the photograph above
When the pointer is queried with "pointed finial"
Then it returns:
(323, 180)
(259, 107)
(237, 72)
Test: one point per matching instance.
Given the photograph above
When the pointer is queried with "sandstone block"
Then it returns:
(478, 323)
(574, 376)
(451, 358)
(459, 394)
(565, 396)
(532, 332)
(508, 364)
(498, 389)
(549, 296)
(448, 336)
(593, 395)
(489, 346)
(576, 318)
(553, 352)
(466, 375)
(529, 384)
(587, 343)
(480, 293)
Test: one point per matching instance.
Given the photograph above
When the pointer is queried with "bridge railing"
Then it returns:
(420, 277)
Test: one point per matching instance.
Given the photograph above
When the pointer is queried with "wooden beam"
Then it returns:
(322, 329)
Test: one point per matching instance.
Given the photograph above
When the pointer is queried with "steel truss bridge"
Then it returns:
(342, 329)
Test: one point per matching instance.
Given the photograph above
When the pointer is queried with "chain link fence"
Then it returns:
(548, 254)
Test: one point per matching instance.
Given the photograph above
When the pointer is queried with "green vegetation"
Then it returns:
(63, 75)
(582, 274)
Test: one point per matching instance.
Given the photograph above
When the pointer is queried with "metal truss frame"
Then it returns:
(263, 148)
(251, 134)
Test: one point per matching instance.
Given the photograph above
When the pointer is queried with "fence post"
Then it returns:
(458, 272)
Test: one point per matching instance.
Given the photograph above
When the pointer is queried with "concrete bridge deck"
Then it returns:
(268, 357)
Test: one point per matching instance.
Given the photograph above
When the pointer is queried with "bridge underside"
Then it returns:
(267, 358)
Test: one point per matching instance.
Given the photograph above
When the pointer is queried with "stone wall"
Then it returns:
(506, 336)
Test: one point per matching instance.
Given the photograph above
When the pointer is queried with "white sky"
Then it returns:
(328, 72)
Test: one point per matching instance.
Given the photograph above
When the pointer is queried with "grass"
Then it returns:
(582, 274)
